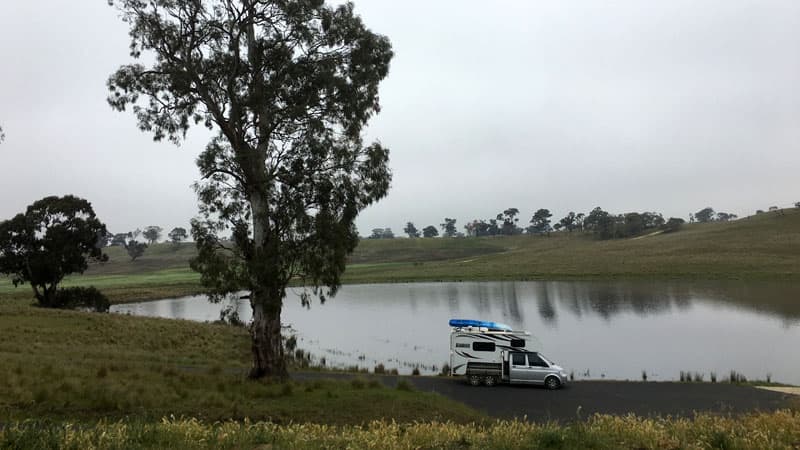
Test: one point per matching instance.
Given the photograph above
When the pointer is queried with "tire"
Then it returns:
(490, 381)
(552, 383)
(474, 380)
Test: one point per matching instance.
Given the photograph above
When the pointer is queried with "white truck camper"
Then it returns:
(489, 353)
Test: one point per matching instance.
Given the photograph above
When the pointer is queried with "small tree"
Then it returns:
(725, 217)
(509, 218)
(54, 237)
(797, 204)
(382, 233)
(601, 223)
(540, 222)
(134, 248)
(152, 233)
(633, 224)
(449, 227)
(430, 231)
(411, 230)
(568, 222)
(704, 215)
(672, 225)
(177, 235)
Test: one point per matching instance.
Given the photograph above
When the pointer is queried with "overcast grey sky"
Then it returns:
(628, 105)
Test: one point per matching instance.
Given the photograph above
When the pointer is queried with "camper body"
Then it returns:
(492, 355)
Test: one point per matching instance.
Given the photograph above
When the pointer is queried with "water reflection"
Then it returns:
(612, 328)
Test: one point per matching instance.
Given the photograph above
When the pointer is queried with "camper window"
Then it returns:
(518, 342)
(483, 346)
(535, 361)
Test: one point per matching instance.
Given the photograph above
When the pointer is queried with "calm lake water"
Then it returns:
(612, 330)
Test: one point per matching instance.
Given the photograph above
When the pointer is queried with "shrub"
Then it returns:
(81, 297)
(404, 385)
(672, 225)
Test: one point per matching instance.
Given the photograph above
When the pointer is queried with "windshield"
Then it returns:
(547, 360)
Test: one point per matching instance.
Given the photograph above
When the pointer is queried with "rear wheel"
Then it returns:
(490, 381)
(474, 380)
(552, 383)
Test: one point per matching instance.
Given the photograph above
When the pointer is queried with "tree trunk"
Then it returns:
(265, 331)
(266, 297)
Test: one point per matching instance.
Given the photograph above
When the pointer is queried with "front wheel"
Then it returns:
(552, 383)
(474, 380)
(490, 381)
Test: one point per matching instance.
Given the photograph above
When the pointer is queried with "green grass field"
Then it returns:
(763, 247)
(77, 366)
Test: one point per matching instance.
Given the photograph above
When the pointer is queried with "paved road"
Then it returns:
(589, 397)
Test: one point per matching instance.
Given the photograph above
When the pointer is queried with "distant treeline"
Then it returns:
(130, 240)
(598, 222)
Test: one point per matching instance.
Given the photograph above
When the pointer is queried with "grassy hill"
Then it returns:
(766, 246)
(762, 247)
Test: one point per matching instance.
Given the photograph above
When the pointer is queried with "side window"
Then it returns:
(483, 346)
(518, 342)
(518, 359)
(535, 361)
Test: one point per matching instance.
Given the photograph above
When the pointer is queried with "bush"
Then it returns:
(404, 385)
(672, 225)
(81, 297)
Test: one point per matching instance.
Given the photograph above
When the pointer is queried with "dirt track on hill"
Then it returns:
(584, 398)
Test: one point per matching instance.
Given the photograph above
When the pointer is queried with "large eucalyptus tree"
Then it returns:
(287, 85)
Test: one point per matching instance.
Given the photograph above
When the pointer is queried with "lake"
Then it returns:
(612, 330)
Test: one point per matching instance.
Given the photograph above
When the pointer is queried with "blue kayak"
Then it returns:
(460, 323)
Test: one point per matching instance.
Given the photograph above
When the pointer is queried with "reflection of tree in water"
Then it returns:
(512, 309)
(412, 300)
(545, 305)
(483, 301)
(608, 299)
(452, 298)
(177, 308)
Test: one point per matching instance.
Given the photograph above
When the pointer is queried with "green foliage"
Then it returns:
(382, 233)
(430, 231)
(510, 219)
(704, 215)
(411, 230)
(55, 237)
(448, 227)
(177, 235)
(288, 87)
(673, 224)
(135, 249)
(81, 297)
(540, 222)
(152, 233)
